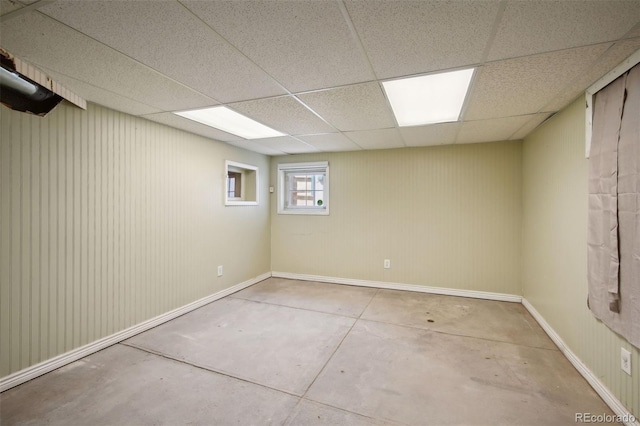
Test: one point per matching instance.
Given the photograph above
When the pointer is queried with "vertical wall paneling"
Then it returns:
(446, 216)
(108, 220)
(554, 271)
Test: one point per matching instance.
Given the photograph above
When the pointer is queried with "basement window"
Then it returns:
(241, 184)
(303, 188)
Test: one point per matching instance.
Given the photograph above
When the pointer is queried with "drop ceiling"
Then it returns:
(313, 69)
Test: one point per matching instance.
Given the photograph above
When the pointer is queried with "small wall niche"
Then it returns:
(241, 184)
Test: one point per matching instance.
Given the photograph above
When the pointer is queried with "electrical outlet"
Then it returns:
(625, 360)
(220, 270)
(387, 264)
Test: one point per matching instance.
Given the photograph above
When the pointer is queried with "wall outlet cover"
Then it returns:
(625, 360)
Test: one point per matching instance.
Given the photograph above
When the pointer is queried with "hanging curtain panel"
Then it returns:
(614, 207)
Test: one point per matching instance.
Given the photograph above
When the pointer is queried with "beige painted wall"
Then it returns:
(107, 220)
(554, 267)
(447, 216)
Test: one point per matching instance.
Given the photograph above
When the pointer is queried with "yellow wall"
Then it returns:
(554, 267)
(107, 220)
(447, 216)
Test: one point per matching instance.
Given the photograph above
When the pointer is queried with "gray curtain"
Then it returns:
(614, 207)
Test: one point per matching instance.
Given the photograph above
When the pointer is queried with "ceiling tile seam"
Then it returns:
(144, 117)
(388, 104)
(356, 37)
(365, 130)
(467, 98)
(398, 132)
(148, 117)
(49, 71)
(526, 123)
(316, 114)
(494, 30)
(546, 52)
(380, 81)
(301, 141)
(547, 118)
(404, 141)
(276, 150)
(586, 68)
(24, 9)
(433, 72)
(132, 59)
(288, 92)
(233, 143)
(457, 135)
(393, 114)
(352, 141)
(341, 86)
(329, 124)
(507, 116)
(345, 136)
(280, 85)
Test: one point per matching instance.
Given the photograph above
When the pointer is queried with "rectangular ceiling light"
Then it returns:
(428, 99)
(229, 121)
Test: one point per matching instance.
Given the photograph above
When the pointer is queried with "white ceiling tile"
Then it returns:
(285, 114)
(256, 147)
(411, 37)
(43, 42)
(191, 126)
(377, 139)
(530, 27)
(530, 126)
(433, 134)
(330, 142)
(493, 130)
(305, 45)
(190, 51)
(286, 144)
(101, 96)
(605, 63)
(150, 57)
(356, 107)
(525, 85)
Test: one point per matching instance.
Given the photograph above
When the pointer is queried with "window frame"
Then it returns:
(241, 168)
(612, 75)
(239, 180)
(283, 194)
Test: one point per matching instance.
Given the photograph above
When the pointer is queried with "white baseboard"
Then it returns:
(44, 367)
(604, 392)
(503, 297)
(610, 399)
(34, 371)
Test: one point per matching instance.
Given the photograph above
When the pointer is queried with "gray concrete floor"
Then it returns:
(305, 353)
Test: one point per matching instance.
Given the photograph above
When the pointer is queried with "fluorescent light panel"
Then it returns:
(428, 99)
(229, 121)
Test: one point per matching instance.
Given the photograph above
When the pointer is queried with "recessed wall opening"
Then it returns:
(241, 184)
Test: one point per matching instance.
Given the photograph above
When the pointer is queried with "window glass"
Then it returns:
(303, 188)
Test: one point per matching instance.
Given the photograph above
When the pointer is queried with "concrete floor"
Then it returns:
(301, 353)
